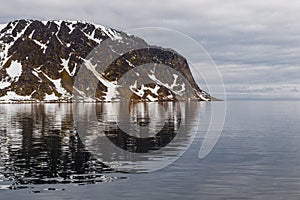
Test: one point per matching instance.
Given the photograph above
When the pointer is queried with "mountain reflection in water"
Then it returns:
(40, 143)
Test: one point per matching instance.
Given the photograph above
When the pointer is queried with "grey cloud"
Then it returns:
(249, 34)
(248, 81)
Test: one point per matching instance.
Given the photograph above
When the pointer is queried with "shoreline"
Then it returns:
(73, 102)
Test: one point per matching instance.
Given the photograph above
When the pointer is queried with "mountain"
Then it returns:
(61, 60)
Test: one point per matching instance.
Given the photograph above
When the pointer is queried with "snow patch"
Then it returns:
(71, 26)
(44, 22)
(2, 26)
(65, 63)
(4, 84)
(58, 23)
(14, 70)
(51, 97)
(13, 96)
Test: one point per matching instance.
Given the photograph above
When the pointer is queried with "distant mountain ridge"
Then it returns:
(39, 61)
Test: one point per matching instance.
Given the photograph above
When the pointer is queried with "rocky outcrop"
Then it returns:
(39, 61)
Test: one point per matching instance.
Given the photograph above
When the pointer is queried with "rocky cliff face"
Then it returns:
(39, 61)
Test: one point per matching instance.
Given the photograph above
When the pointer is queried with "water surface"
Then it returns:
(256, 157)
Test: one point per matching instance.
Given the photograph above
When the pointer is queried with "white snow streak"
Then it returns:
(111, 87)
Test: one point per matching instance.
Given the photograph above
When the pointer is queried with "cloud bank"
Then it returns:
(256, 45)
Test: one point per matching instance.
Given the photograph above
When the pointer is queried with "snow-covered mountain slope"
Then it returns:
(39, 61)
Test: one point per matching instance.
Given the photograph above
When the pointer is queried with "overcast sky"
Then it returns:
(255, 44)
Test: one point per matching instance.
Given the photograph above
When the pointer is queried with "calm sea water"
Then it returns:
(44, 155)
